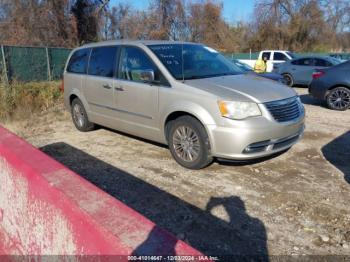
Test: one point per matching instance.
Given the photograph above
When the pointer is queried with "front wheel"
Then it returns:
(339, 99)
(189, 143)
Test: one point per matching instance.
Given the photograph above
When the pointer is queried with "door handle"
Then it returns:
(107, 86)
(119, 89)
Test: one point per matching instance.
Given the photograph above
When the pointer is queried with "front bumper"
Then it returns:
(254, 138)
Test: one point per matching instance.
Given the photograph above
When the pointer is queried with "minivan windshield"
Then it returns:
(193, 61)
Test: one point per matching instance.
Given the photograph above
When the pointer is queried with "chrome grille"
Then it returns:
(285, 110)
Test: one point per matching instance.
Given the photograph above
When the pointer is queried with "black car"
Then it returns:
(247, 69)
(333, 85)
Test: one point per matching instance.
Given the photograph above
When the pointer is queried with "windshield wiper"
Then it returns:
(208, 76)
(217, 75)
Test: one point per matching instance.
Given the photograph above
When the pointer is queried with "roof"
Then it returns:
(275, 51)
(135, 42)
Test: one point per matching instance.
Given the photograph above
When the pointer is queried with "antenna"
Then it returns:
(182, 62)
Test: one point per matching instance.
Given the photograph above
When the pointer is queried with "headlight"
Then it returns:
(238, 110)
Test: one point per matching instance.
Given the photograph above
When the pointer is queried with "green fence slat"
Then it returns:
(58, 58)
(27, 63)
(242, 55)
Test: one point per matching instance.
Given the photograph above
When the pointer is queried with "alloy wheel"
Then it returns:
(186, 143)
(339, 99)
(78, 115)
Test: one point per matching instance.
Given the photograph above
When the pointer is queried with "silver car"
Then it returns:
(185, 95)
(299, 71)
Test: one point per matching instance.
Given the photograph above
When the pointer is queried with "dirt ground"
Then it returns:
(295, 203)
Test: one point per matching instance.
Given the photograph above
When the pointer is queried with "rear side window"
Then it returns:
(103, 61)
(78, 62)
(303, 62)
(322, 62)
(266, 54)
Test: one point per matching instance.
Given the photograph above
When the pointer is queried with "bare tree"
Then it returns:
(290, 24)
(36, 22)
(88, 14)
(300, 25)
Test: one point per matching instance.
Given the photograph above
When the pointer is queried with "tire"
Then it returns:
(189, 143)
(80, 117)
(338, 99)
(288, 79)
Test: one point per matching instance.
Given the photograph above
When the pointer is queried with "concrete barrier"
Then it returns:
(46, 209)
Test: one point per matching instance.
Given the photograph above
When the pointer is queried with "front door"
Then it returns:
(137, 100)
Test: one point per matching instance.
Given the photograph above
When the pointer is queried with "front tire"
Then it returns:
(339, 99)
(80, 117)
(288, 80)
(189, 143)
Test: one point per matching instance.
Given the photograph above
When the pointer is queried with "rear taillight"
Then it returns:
(318, 74)
(62, 86)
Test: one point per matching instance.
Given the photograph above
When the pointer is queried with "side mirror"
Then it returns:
(146, 75)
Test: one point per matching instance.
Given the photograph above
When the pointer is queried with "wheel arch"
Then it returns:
(173, 116)
(76, 94)
(197, 112)
(71, 98)
(335, 86)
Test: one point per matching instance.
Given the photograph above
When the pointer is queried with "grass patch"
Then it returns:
(21, 100)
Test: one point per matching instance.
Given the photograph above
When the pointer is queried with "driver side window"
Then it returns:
(133, 61)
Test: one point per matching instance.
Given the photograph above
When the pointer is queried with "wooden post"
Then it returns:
(4, 64)
(48, 64)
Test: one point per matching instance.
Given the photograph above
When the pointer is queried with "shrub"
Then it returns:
(21, 100)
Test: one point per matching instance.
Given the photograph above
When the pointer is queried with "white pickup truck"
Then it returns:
(273, 57)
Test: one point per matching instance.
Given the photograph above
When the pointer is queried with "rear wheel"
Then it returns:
(79, 116)
(189, 143)
(339, 98)
(288, 79)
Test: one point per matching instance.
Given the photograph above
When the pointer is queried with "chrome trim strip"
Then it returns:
(121, 111)
(282, 102)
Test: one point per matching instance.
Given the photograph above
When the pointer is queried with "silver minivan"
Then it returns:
(185, 95)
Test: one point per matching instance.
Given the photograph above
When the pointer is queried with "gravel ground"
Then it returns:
(295, 203)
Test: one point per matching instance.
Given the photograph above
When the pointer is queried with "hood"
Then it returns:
(244, 88)
(272, 76)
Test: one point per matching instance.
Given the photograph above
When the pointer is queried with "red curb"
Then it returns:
(48, 209)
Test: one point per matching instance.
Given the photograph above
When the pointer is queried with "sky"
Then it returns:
(234, 10)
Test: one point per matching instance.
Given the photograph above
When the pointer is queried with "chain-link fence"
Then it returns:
(46, 63)
(27, 64)
(242, 55)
